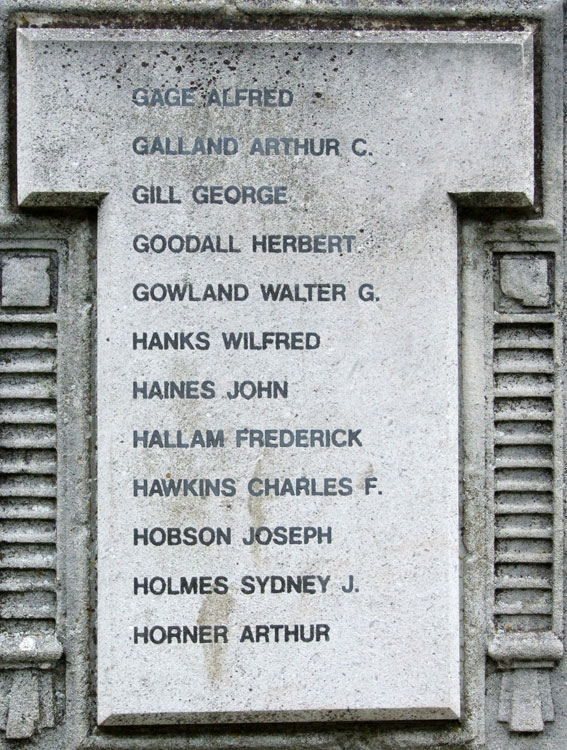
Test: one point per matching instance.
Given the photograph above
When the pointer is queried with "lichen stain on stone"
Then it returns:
(255, 504)
(216, 611)
(368, 473)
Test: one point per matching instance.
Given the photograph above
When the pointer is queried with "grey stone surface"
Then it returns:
(526, 279)
(396, 635)
(510, 415)
(25, 281)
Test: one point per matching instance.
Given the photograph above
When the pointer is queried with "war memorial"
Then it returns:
(282, 376)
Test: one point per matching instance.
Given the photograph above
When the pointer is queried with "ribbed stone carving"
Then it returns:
(525, 642)
(28, 490)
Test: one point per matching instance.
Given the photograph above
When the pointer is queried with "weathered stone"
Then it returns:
(323, 308)
(526, 279)
(25, 281)
(446, 375)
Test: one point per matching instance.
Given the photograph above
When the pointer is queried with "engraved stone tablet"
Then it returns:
(277, 351)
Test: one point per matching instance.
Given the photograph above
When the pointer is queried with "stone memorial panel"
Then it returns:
(277, 350)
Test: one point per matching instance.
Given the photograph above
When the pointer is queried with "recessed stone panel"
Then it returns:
(277, 351)
(25, 281)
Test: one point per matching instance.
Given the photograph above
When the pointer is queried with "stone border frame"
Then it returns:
(75, 445)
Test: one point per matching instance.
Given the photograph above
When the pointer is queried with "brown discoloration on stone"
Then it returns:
(217, 610)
